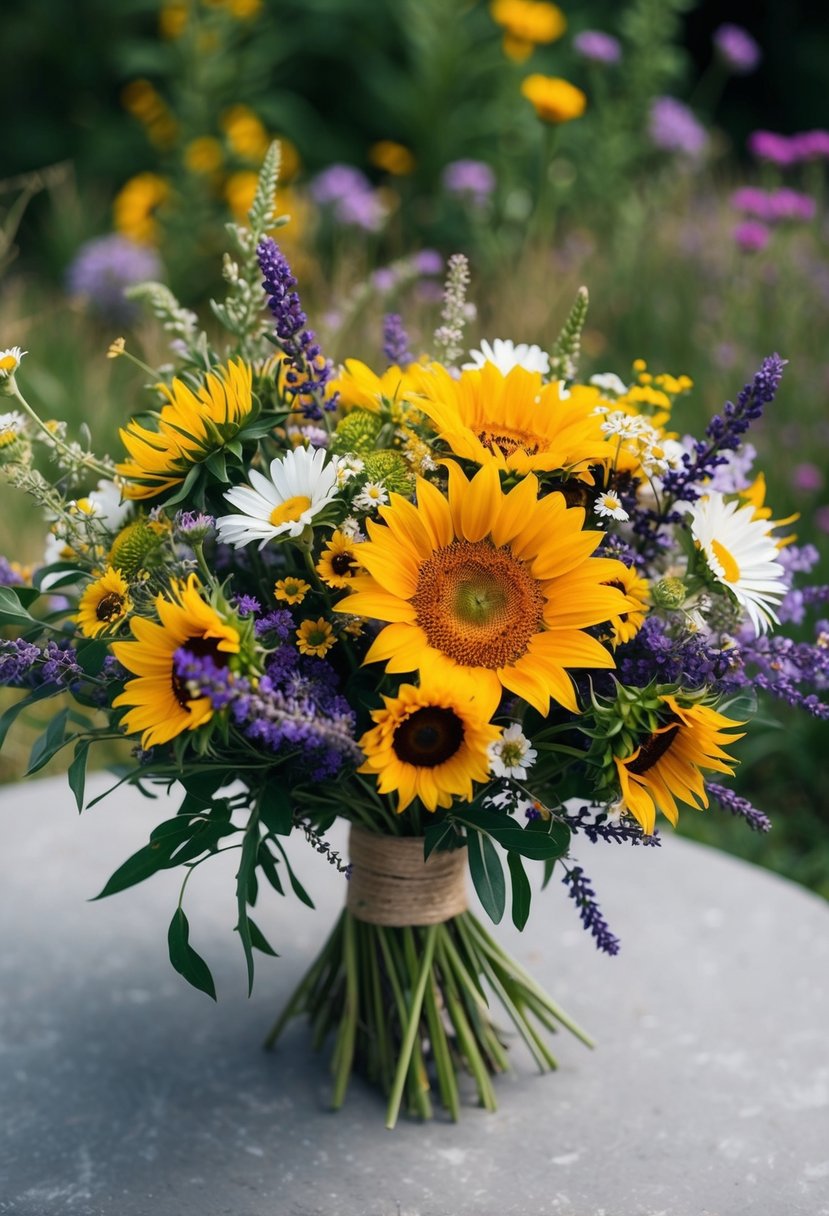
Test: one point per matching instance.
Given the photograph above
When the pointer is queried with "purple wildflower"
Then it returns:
(193, 526)
(596, 828)
(427, 262)
(807, 477)
(737, 49)
(730, 801)
(598, 47)
(690, 659)
(473, 181)
(584, 897)
(25, 665)
(103, 267)
(787, 204)
(811, 145)
(279, 622)
(309, 373)
(673, 127)
(8, 576)
(779, 150)
(247, 605)
(752, 201)
(751, 236)
(396, 341)
(348, 194)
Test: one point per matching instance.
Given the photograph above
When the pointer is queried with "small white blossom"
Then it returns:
(511, 755)
(609, 384)
(11, 425)
(10, 361)
(348, 466)
(372, 495)
(506, 355)
(350, 528)
(609, 505)
(622, 425)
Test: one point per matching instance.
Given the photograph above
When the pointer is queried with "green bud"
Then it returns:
(136, 547)
(669, 593)
(391, 468)
(357, 432)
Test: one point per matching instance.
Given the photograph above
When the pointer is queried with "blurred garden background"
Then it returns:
(678, 168)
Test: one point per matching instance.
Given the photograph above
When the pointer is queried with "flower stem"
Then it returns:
(411, 1027)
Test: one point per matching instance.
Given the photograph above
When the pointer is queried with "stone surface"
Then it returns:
(124, 1092)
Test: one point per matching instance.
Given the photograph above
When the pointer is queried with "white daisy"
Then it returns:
(622, 425)
(511, 755)
(609, 384)
(741, 554)
(10, 361)
(610, 505)
(506, 355)
(11, 426)
(658, 454)
(372, 495)
(301, 484)
(349, 466)
(350, 528)
(105, 505)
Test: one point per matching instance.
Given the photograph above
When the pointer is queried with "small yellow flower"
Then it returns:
(393, 157)
(338, 563)
(172, 20)
(135, 205)
(315, 637)
(555, 100)
(245, 133)
(104, 604)
(291, 590)
(527, 24)
(203, 155)
(116, 348)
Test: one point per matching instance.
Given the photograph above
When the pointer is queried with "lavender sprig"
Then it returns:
(308, 373)
(324, 848)
(730, 801)
(584, 897)
(623, 832)
(396, 341)
(25, 665)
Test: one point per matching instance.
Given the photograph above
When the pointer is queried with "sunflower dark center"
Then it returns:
(653, 749)
(620, 586)
(109, 606)
(506, 444)
(430, 736)
(343, 563)
(199, 648)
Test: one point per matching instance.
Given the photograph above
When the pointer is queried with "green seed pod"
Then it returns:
(136, 547)
(392, 469)
(357, 432)
(668, 593)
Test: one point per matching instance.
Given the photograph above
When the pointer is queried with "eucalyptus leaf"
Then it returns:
(12, 610)
(487, 875)
(521, 891)
(185, 959)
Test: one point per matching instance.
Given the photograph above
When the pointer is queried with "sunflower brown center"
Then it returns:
(109, 606)
(477, 604)
(507, 441)
(620, 586)
(199, 648)
(342, 564)
(653, 749)
(289, 511)
(428, 737)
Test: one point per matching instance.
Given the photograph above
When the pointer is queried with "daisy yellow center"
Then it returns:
(730, 568)
(611, 501)
(506, 441)
(109, 606)
(7, 438)
(477, 604)
(428, 737)
(289, 511)
(8, 363)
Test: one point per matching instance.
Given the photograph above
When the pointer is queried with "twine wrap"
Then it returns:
(391, 884)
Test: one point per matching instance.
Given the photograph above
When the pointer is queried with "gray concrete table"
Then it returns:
(125, 1093)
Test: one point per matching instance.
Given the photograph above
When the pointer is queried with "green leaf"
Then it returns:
(267, 864)
(296, 886)
(77, 771)
(276, 808)
(91, 656)
(438, 836)
(8, 717)
(247, 867)
(529, 841)
(487, 875)
(189, 482)
(259, 941)
(49, 743)
(184, 958)
(12, 610)
(153, 857)
(217, 465)
(521, 891)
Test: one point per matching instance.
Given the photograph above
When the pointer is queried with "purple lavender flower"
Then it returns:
(598, 47)
(309, 373)
(584, 897)
(811, 145)
(779, 150)
(673, 127)
(427, 262)
(348, 194)
(25, 665)
(807, 477)
(8, 577)
(247, 605)
(730, 801)
(751, 236)
(737, 49)
(473, 181)
(396, 341)
(280, 622)
(787, 204)
(104, 266)
(385, 279)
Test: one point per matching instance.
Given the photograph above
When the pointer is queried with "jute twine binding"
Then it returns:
(391, 884)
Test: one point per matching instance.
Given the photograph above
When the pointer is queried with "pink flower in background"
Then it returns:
(807, 477)
(472, 180)
(751, 236)
(778, 149)
(812, 145)
(673, 127)
(598, 46)
(786, 204)
(822, 518)
(737, 49)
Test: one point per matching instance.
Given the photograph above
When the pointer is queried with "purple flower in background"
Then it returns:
(470, 180)
(348, 193)
(598, 46)
(103, 267)
(581, 892)
(737, 48)
(751, 200)
(779, 150)
(786, 204)
(396, 341)
(427, 262)
(751, 236)
(8, 576)
(384, 279)
(811, 145)
(731, 801)
(673, 127)
(807, 477)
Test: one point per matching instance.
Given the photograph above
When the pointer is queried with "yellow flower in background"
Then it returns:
(359, 386)
(140, 99)
(160, 704)
(554, 100)
(755, 494)
(637, 591)
(493, 586)
(515, 421)
(315, 637)
(245, 133)
(104, 603)
(172, 20)
(291, 590)
(665, 768)
(392, 157)
(203, 155)
(339, 564)
(191, 426)
(430, 743)
(135, 206)
(527, 24)
(240, 10)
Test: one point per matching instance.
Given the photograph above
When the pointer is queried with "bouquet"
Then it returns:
(470, 604)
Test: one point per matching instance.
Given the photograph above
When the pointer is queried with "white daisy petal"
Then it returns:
(301, 484)
(506, 355)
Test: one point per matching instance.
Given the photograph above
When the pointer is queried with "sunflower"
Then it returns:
(430, 743)
(665, 767)
(499, 586)
(159, 703)
(637, 590)
(191, 427)
(358, 386)
(514, 421)
(104, 603)
(339, 563)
